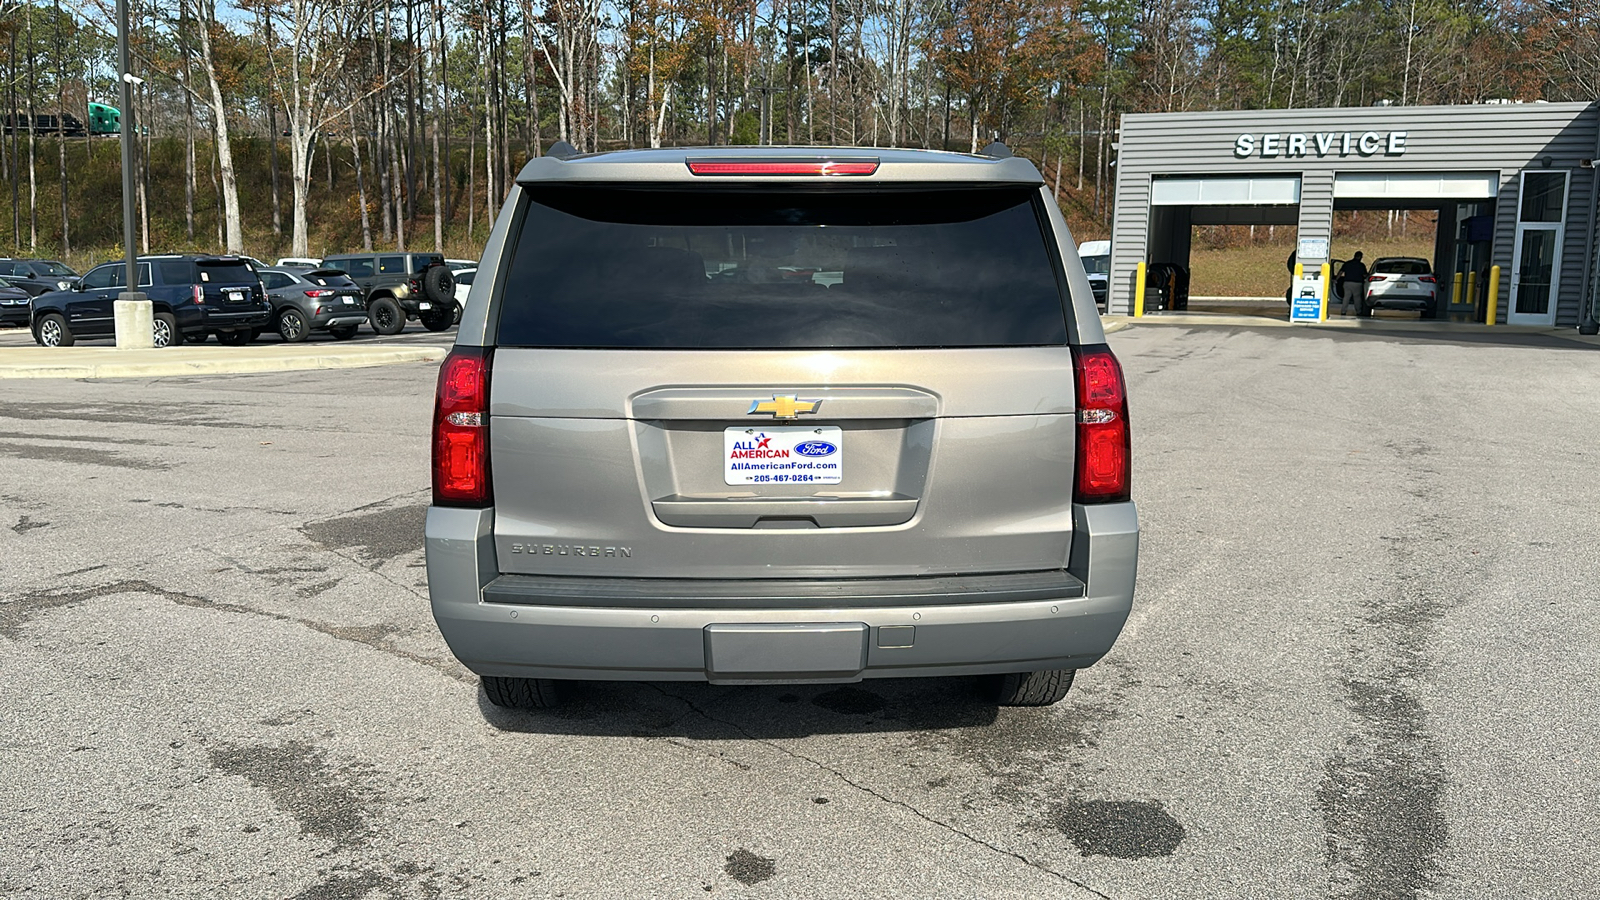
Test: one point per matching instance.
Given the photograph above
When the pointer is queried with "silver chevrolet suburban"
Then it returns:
(766, 415)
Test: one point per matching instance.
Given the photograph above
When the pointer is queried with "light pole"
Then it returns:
(133, 315)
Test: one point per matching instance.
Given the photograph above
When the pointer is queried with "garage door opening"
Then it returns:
(1227, 245)
(1443, 218)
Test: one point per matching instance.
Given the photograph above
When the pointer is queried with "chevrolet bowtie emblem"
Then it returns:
(784, 406)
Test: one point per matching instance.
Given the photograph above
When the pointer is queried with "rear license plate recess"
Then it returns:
(827, 651)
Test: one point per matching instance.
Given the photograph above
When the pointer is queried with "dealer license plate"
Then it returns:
(349, 301)
(424, 306)
(785, 454)
(235, 297)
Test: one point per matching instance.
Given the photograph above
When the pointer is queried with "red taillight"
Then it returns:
(1105, 456)
(319, 293)
(1377, 278)
(1429, 279)
(856, 166)
(461, 430)
(199, 294)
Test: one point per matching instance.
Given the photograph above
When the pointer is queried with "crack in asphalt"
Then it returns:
(15, 614)
(878, 795)
(366, 635)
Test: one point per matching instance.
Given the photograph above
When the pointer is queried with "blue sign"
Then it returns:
(1306, 308)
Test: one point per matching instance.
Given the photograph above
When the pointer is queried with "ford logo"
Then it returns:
(815, 448)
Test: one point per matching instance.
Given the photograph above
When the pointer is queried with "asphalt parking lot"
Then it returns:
(1362, 663)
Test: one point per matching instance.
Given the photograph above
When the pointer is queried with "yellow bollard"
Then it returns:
(1489, 317)
(1472, 289)
(1138, 291)
(1455, 291)
(1327, 273)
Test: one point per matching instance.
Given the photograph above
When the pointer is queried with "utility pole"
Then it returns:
(132, 308)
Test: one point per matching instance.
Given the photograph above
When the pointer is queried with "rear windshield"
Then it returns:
(51, 267)
(617, 268)
(227, 273)
(329, 278)
(1401, 267)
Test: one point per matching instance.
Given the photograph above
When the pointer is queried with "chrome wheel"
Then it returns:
(50, 333)
(161, 333)
(291, 326)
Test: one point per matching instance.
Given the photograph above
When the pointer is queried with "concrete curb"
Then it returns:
(109, 362)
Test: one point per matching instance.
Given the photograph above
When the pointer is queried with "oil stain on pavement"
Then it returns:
(326, 802)
(748, 868)
(379, 535)
(1382, 792)
(1121, 829)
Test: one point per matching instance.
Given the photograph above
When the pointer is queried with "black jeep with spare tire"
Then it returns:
(400, 286)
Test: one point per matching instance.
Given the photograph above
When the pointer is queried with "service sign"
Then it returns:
(1275, 145)
(783, 454)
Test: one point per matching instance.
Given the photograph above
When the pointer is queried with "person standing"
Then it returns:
(1353, 278)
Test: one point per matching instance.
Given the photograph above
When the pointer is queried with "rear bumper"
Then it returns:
(620, 629)
(215, 320)
(354, 316)
(1399, 301)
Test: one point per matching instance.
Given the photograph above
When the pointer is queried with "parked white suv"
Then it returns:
(1402, 282)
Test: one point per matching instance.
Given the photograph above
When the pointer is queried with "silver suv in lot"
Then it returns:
(754, 416)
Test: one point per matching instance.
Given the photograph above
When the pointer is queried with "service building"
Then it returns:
(1513, 185)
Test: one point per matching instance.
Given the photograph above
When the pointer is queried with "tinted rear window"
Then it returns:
(1401, 267)
(612, 268)
(227, 273)
(329, 279)
(1097, 265)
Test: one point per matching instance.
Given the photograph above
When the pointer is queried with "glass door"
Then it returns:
(1536, 256)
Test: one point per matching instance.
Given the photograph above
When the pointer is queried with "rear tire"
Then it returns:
(52, 331)
(1031, 688)
(292, 326)
(235, 338)
(521, 693)
(386, 316)
(343, 332)
(195, 337)
(439, 320)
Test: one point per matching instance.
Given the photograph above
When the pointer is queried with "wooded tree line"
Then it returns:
(422, 111)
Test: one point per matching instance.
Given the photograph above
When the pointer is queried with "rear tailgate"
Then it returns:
(231, 291)
(670, 401)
